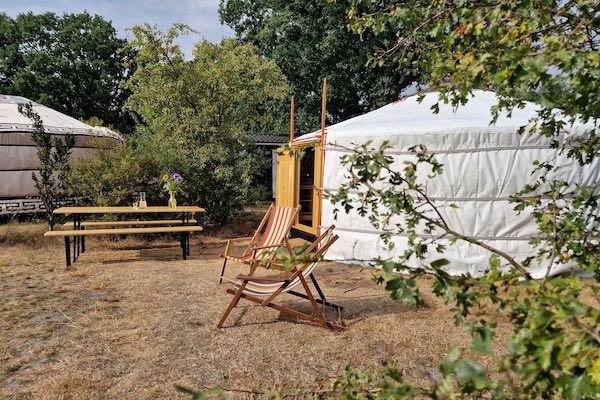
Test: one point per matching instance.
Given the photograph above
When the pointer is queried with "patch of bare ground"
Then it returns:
(131, 319)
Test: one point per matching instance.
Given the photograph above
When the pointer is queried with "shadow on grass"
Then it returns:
(355, 310)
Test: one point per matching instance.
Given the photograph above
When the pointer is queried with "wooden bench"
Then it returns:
(92, 224)
(132, 223)
(183, 231)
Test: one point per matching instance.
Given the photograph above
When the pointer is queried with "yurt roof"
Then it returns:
(11, 120)
(409, 118)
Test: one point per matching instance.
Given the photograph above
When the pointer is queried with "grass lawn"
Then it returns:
(131, 319)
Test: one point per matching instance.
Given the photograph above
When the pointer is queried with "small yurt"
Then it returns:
(483, 166)
(18, 158)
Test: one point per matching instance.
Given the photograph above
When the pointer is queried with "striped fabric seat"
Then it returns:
(264, 290)
(277, 229)
(261, 289)
(278, 222)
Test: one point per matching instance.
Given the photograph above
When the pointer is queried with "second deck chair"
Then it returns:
(264, 290)
(278, 221)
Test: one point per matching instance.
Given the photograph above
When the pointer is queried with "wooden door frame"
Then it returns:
(317, 187)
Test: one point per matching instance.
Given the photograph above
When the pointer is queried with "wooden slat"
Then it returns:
(125, 231)
(126, 210)
(130, 223)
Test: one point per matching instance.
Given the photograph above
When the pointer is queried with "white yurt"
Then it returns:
(18, 158)
(483, 166)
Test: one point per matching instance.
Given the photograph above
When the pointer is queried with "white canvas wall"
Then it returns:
(483, 166)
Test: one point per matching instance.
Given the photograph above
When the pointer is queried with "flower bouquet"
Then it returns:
(172, 184)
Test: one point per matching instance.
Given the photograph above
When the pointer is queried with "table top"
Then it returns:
(127, 210)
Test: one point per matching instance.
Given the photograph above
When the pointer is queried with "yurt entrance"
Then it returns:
(299, 175)
(307, 186)
(298, 182)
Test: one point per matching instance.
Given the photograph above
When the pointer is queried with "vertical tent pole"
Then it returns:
(323, 111)
(292, 122)
(323, 134)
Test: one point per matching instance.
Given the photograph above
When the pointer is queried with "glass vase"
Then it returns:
(172, 200)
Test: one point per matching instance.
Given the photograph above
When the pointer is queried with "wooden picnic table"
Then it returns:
(78, 231)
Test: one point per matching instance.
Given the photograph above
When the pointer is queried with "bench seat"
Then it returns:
(79, 234)
(125, 231)
(91, 224)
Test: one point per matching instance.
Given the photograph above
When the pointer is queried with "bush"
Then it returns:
(117, 174)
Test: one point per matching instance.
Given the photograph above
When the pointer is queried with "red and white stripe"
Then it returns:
(277, 228)
(308, 138)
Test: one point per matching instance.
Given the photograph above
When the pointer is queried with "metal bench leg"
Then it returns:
(83, 242)
(187, 242)
(75, 238)
(75, 247)
(184, 250)
(68, 251)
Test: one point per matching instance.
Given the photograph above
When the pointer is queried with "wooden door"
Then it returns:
(285, 185)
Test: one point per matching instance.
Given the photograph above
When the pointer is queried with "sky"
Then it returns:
(201, 15)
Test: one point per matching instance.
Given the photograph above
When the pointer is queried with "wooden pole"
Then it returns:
(292, 121)
(319, 178)
(323, 111)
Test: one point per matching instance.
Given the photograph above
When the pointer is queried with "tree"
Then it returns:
(196, 113)
(310, 41)
(541, 50)
(50, 180)
(72, 63)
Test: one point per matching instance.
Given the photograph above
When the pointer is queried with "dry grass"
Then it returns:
(132, 319)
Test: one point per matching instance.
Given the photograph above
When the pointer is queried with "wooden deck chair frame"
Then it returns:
(286, 285)
(253, 251)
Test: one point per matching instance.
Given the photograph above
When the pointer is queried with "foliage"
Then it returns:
(194, 116)
(115, 174)
(309, 41)
(53, 155)
(543, 49)
(71, 63)
(556, 340)
(546, 51)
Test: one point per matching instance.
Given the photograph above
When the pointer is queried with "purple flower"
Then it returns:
(177, 178)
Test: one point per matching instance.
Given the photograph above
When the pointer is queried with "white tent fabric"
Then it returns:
(18, 158)
(483, 165)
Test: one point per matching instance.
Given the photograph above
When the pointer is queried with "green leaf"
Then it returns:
(482, 336)
(439, 263)
(494, 261)
(471, 375)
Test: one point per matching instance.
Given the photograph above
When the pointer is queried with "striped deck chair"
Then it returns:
(264, 290)
(278, 221)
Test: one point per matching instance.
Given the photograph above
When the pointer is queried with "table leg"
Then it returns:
(75, 238)
(181, 245)
(81, 238)
(187, 236)
(75, 247)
